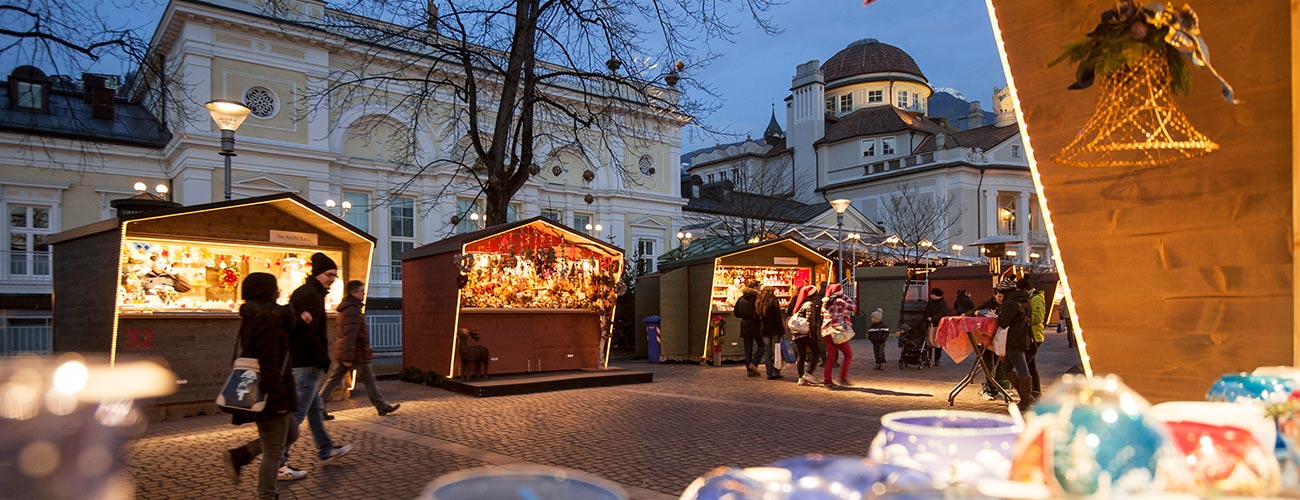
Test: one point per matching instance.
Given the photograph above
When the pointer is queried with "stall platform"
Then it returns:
(527, 383)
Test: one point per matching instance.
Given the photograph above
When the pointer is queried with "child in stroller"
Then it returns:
(912, 338)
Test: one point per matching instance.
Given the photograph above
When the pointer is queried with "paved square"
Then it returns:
(651, 438)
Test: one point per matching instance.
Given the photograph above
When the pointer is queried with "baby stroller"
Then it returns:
(914, 351)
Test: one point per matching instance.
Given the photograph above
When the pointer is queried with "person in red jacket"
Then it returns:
(352, 349)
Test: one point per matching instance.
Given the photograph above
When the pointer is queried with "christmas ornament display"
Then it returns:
(955, 446)
(1228, 448)
(809, 477)
(533, 268)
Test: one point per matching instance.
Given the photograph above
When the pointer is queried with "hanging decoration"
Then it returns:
(530, 267)
(1140, 55)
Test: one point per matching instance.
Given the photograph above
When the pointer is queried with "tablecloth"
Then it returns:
(951, 334)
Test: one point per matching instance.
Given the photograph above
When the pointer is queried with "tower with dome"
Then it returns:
(859, 126)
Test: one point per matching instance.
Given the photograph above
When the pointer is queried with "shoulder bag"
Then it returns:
(242, 393)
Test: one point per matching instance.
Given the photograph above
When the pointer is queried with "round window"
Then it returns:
(646, 164)
(260, 102)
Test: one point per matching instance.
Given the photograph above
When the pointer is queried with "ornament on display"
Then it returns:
(810, 477)
(1141, 56)
(956, 446)
(463, 261)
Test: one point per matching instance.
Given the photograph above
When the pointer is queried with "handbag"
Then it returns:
(242, 393)
(841, 333)
(798, 324)
(1000, 341)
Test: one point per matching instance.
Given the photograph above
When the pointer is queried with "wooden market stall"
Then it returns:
(165, 284)
(696, 289)
(540, 295)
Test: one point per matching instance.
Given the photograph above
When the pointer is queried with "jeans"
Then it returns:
(805, 351)
(878, 348)
(311, 407)
(364, 373)
(770, 345)
(274, 436)
(832, 351)
(753, 350)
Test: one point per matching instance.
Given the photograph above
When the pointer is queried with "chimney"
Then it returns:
(99, 93)
(431, 20)
(974, 116)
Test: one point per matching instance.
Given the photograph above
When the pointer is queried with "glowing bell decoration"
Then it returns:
(1136, 123)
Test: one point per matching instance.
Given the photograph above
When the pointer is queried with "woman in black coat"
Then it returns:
(750, 328)
(1014, 316)
(264, 334)
(773, 327)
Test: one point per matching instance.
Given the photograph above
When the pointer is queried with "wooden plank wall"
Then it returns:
(429, 311)
(85, 292)
(1179, 273)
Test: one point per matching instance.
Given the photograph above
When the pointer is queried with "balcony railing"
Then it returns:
(385, 332)
(22, 265)
(34, 339)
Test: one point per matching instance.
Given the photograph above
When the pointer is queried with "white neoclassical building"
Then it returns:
(62, 165)
(858, 128)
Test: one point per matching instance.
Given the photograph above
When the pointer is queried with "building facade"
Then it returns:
(858, 128)
(63, 165)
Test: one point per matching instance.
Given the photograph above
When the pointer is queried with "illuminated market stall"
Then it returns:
(539, 295)
(700, 289)
(165, 283)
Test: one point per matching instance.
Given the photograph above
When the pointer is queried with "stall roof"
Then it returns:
(289, 203)
(456, 243)
(709, 256)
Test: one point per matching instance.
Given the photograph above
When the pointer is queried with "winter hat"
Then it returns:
(834, 289)
(804, 293)
(1025, 283)
(321, 263)
(1007, 283)
(877, 314)
(259, 286)
(936, 292)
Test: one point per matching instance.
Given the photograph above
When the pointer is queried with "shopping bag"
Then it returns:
(1000, 342)
(798, 324)
(787, 351)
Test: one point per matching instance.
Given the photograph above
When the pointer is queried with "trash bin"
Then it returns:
(653, 338)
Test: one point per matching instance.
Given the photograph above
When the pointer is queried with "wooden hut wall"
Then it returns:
(763, 256)
(673, 317)
(647, 304)
(429, 312)
(700, 292)
(882, 287)
(85, 292)
(1192, 262)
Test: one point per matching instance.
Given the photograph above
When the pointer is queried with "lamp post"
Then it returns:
(228, 115)
(956, 250)
(596, 228)
(347, 205)
(840, 205)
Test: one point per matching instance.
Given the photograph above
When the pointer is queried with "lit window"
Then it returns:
(902, 98)
(846, 103)
(886, 146)
(868, 148)
(876, 96)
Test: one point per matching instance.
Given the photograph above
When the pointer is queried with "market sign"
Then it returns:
(292, 238)
(785, 261)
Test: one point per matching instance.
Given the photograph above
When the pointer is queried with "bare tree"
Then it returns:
(918, 222)
(514, 79)
(760, 201)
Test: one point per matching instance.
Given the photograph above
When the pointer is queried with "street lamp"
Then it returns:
(840, 205)
(684, 238)
(347, 205)
(228, 115)
(597, 228)
(956, 249)
(1034, 255)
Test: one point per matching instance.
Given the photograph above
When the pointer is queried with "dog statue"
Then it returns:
(473, 358)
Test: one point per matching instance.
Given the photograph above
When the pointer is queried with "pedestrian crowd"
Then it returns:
(294, 336)
(818, 314)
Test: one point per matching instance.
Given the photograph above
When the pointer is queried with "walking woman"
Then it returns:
(805, 342)
(769, 313)
(264, 334)
(1014, 316)
(839, 312)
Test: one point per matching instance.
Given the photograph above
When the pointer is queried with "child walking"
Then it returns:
(877, 333)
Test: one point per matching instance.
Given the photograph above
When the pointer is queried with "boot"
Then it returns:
(752, 370)
(880, 366)
(1023, 389)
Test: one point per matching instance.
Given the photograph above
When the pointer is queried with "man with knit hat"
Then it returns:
(311, 356)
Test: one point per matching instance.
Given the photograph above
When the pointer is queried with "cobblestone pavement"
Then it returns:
(653, 439)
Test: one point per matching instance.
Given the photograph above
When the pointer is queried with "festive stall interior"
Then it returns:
(166, 283)
(698, 294)
(537, 295)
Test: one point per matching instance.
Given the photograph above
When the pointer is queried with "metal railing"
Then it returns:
(385, 274)
(35, 339)
(385, 332)
(21, 265)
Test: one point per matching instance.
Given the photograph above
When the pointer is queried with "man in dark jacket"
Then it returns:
(1014, 316)
(264, 335)
(311, 357)
(935, 310)
(750, 327)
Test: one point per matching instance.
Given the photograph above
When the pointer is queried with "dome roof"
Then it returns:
(869, 56)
